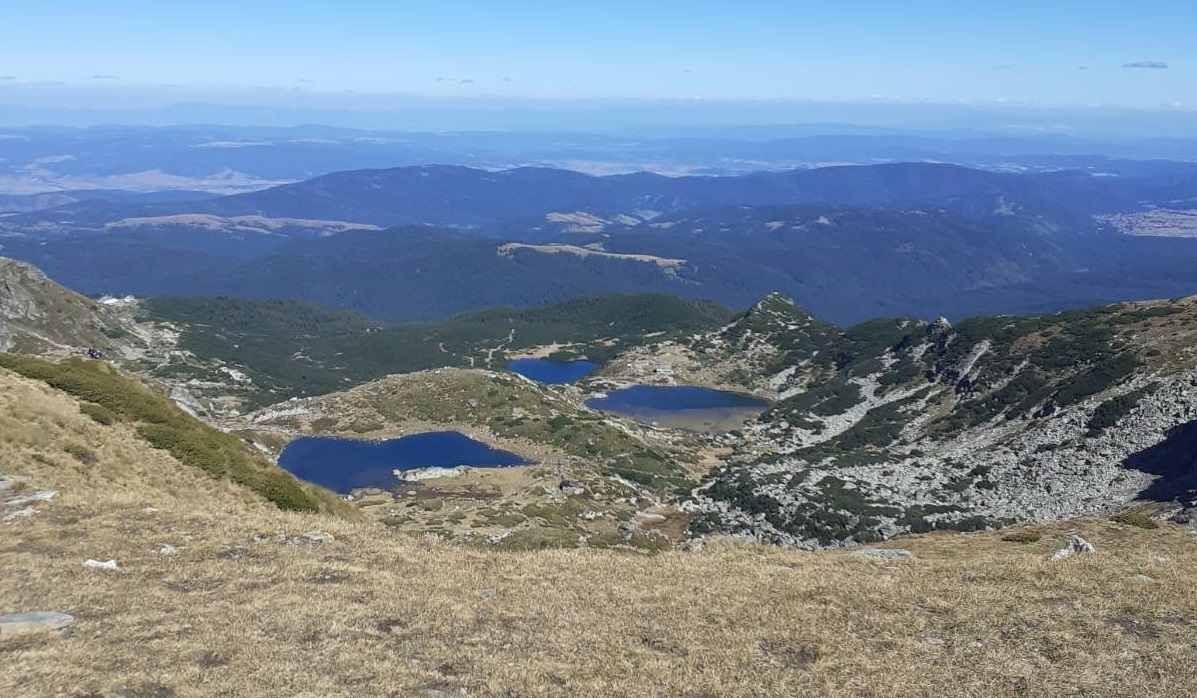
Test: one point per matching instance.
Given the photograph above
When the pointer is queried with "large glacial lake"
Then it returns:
(682, 406)
(546, 371)
(343, 465)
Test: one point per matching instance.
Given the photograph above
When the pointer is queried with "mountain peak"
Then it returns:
(776, 309)
(773, 299)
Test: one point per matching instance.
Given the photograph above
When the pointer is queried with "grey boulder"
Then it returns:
(33, 622)
(885, 554)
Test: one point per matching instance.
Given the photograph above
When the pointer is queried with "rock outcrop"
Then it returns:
(905, 426)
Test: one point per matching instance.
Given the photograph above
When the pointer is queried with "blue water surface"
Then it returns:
(343, 465)
(686, 406)
(546, 371)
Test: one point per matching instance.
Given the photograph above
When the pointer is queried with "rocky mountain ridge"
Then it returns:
(883, 428)
(902, 425)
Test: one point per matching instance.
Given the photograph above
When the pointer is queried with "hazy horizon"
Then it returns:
(721, 118)
(1021, 66)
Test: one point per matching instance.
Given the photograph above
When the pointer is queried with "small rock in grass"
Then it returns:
(43, 496)
(318, 537)
(19, 514)
(33, 622)
(166, 549)
(885, 554)
(96, 564)
(1075, 546)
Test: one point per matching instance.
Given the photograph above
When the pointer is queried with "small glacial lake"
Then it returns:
(342, 465)
(546, 371)
(682, 406)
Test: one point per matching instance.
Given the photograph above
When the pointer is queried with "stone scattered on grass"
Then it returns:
(318, 537)
(19, 514)
(96, 564)
(34, 498)
(33, 622)
(1075, 546)
(885, 554)
(21, 506)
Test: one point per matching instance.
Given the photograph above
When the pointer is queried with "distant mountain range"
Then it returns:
(849, 243)
(510, 200)
(232, 159)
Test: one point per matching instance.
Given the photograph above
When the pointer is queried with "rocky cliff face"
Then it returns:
(39, 316)
(17, 304)
(902, 425)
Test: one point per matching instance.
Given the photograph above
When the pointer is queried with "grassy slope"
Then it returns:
(109, 398)
(242, 609)
(290, 348)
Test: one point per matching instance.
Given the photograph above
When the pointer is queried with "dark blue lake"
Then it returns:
(545, 371)
(684, 406)
(342, 465)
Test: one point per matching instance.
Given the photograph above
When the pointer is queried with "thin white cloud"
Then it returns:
(1146, 64)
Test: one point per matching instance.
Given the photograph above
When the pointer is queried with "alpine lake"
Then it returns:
(343, 465)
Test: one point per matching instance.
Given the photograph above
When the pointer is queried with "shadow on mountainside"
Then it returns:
(1174, 460)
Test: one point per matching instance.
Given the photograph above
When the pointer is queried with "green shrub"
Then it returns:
(1135, 517)
(539, 539)
(1109, 412)
(82, 454)
(98, 413)
(1022, 537)
(1101, 376)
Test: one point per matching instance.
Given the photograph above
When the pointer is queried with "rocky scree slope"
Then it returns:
(903, 425)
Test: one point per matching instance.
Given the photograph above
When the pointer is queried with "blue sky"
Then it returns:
(1045, 52)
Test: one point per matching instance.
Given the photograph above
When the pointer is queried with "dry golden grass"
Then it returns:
(242, 610)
